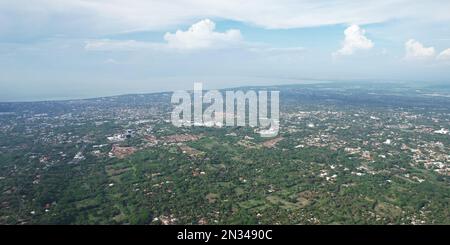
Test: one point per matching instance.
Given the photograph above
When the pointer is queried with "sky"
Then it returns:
(65, 49)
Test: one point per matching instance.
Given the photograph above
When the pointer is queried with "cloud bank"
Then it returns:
(201, 35)
(82, 17)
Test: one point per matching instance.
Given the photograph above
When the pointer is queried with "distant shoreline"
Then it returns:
(292, 83)
(67, 98)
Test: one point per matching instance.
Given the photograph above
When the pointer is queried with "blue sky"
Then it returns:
(60, 49)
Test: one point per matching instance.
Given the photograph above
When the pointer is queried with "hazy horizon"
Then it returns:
(207, 85)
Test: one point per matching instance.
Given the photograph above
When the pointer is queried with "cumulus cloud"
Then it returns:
(202, 35)
(355, 39)
(416, 50)
(444, 55)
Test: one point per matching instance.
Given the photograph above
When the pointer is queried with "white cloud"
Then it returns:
(201, 35)
(416, 50)
(120, 45)
(277, 51)
(355, 39)
(79, 17)
(444, 55)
